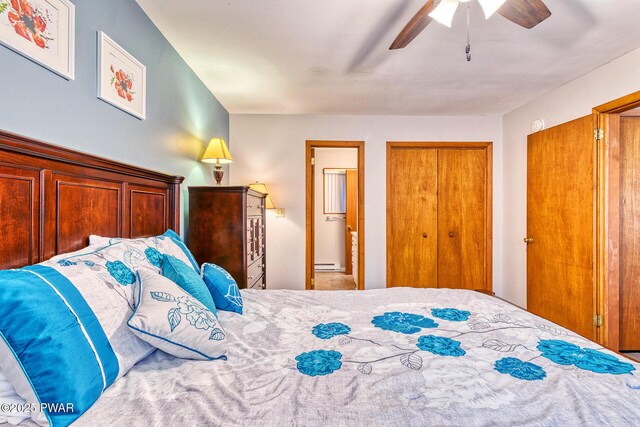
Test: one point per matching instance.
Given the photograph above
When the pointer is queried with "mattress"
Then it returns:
(392, 357)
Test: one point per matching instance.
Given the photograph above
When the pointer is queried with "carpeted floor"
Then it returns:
(334, 282)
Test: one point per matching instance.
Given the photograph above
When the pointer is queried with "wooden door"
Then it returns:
(351, 220)
(462, 218)
(629, 232)
(561, 221)
(412, 217)
(311, 226)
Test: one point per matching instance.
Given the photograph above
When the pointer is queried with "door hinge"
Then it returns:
(597, 320)
(313, 161)
(598, 134)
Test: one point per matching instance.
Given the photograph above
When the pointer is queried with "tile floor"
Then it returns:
(333, 281)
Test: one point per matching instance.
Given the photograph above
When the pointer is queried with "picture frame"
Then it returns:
(122, 79)
(42, 31)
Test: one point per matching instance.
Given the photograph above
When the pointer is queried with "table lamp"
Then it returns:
(218, 153)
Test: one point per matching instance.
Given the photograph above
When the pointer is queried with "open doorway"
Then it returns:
(618, 134)
(335, 215)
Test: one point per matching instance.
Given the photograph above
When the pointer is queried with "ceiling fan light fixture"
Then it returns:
(490, 6)
(443, 13)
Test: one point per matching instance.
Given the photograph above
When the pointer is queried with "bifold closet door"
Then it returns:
(412, 217)
(462, 216)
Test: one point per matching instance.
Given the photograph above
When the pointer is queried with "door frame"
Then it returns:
(606, 117)
(309, 202)
(462, 145)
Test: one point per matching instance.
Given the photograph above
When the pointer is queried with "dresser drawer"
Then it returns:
(259, 284)
(255, 270)
(255, 239)
(254, 205)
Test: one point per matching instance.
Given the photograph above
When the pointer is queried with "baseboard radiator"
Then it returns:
(328, 266)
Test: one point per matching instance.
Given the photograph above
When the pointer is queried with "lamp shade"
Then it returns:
(217, 152)
(262, 188)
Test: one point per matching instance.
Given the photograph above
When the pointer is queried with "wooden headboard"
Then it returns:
(53, 198)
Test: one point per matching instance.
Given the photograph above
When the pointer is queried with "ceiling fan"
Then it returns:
(526, 13)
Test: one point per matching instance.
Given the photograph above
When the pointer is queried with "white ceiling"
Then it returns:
(332, 57)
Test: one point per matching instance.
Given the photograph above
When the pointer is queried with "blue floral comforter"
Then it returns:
(396, 357)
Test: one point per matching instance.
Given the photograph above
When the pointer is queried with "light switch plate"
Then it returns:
(280, 213)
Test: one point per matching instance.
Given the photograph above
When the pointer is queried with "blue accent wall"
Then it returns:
(182, 114)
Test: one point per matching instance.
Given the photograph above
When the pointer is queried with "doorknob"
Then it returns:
(424, 235)
(528, 240)
(451, 234)
(349, 227)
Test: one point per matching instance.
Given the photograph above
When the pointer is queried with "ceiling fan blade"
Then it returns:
(526, 13)
(418, 23)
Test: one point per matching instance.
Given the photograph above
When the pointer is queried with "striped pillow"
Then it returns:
(63, 326)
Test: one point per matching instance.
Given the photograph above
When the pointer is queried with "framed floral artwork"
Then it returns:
(41, 30)
(122, 79)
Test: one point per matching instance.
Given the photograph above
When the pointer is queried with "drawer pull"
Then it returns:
(250, 205)
(250, 277)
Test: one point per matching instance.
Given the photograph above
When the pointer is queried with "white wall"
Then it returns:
(330, 239)
(573, 100)
(271, 148)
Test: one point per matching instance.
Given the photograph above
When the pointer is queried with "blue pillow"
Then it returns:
(223, 288)
(180, 273)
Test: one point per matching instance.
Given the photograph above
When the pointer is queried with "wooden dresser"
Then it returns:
(227, 228)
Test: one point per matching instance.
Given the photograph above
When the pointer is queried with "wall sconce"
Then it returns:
(262, 188)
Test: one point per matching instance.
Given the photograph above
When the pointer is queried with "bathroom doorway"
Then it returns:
(335, 215)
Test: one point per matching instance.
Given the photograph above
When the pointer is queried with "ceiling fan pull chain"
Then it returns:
(468, 48)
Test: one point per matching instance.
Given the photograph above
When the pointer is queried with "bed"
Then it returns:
(397, 356)
(509, 368)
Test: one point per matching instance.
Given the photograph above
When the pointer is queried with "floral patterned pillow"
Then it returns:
(170, 240)
(116, 261)
(172, 320)
(223, 287)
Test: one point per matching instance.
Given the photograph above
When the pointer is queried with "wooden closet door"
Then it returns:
(412, 218)
(629, 232)
(462, 218)
(561, 223)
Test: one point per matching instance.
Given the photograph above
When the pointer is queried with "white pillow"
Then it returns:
(172, 320)
(9, 396)
(169, 243)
